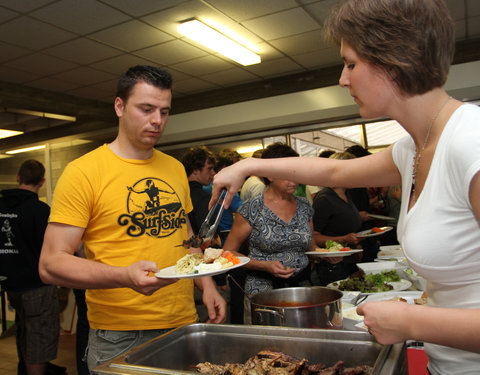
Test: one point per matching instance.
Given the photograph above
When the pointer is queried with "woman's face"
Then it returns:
(284, 186)
(371, 87)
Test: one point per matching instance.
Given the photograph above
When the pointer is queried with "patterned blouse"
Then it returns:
(273, 239)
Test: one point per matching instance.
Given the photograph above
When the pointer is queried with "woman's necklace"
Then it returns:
(418, 154)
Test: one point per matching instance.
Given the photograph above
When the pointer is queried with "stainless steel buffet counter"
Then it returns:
(177, 351)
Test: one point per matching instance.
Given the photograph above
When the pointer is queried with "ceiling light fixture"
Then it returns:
(218, 42)
(4, 133)
(17, 151)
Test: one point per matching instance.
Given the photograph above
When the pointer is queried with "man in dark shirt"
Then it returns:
(23, 220)
(199, 163)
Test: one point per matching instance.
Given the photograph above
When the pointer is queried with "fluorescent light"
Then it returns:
(8, 133)
(218, 42)
(17, 151)
(247, 149)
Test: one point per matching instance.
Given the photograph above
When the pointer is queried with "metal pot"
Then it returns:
(303, 307)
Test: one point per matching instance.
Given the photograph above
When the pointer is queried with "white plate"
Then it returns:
(370, 233)
(330, 254)
(381, 217)
(409, 295)
(397, 285)
(392, 250)
(170, 273)
(377, 267)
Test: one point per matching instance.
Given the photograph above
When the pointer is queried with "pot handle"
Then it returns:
(269, 311)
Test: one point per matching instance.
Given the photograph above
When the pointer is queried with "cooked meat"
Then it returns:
(210, 254)
(267, 362)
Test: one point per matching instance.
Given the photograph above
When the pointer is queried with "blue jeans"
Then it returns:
(104, 345)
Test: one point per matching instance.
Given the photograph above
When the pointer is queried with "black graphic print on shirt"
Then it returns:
(153, 209)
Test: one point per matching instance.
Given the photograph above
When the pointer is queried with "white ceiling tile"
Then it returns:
(88, 93)
(460, 30)
(203, 65)
(279, 25)
(171, 52)
(83, 17)
(457, 9)
(473, 8)
(6, 14)
(24, 5)
(320, 9)
(37, 62)
(119, 64)
(9, 74)
(10, 52)
(168, 19)
(230, 77)
(474, 27)
(177, 75)
(29, 33)
(274, 68)
(82, 51)
(242, 10)
(136, 9)
(319, 59)
(85, 76)
(53, 84)
(301, 43)
(131, 36)
(193, 85)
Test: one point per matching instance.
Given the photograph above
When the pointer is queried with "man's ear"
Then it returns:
(18, 178)
(40, 184)
(119, 106)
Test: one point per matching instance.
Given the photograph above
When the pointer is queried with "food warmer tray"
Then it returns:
(177, 351)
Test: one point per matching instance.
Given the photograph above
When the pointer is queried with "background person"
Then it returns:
(437, 164)
(128, 203)
(278, 227)
(23, 220)
(199, 163)
(337, 219)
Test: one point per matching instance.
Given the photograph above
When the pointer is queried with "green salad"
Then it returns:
(371, 283)
(333, 245)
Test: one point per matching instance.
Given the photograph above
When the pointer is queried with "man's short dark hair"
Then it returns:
(31, 172)
(143, 73)
(195, 157)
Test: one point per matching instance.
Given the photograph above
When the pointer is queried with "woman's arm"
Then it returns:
(393, 322)
(377, 169)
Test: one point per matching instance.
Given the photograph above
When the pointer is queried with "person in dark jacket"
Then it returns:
(23, 220)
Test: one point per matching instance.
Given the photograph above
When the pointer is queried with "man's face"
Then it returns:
(142, 118)
(205, 175)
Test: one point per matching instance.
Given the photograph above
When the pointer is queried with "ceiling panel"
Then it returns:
(80, 47)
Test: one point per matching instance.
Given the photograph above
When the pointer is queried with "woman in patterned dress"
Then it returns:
(278, 228)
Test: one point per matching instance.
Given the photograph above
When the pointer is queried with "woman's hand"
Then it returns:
(277, 269)
(230, 178)
(386, 320)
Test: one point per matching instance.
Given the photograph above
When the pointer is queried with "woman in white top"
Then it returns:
(396, 56)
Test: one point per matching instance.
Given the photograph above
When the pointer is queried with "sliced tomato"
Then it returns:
(345, 249)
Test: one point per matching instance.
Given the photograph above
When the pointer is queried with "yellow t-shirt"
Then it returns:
(131, 210)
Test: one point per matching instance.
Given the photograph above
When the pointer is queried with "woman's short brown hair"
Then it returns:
(413, 40)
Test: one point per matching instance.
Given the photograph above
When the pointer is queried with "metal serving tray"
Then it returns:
(177, 351)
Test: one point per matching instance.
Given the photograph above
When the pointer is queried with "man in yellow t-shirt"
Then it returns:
(128, 203)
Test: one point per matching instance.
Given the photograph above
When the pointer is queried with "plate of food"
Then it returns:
(375, 231)
(211, 262)
(373, 283)
(322, 253)
(333, 249)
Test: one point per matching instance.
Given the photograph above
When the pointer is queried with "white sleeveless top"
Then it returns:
(440, 234)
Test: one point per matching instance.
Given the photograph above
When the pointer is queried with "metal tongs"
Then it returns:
(209, 226)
